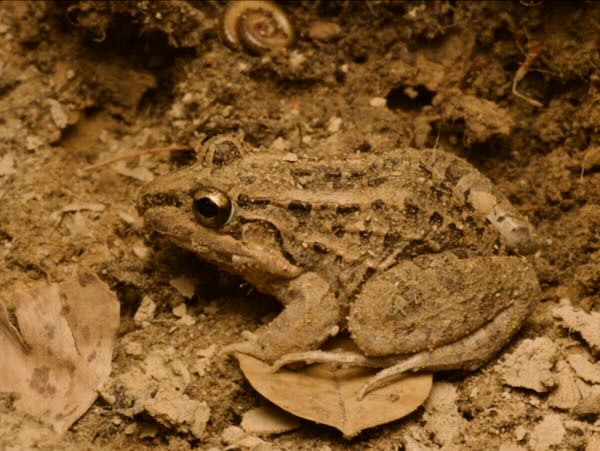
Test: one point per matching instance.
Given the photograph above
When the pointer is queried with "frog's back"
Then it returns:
(374, 206)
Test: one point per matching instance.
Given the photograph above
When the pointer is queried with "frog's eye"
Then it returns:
(212, 209)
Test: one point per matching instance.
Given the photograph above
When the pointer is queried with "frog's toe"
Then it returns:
(386, 376)
(342, 358)
(249, 346)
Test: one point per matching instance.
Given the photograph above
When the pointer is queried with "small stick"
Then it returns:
(521, 72)
(141, 152)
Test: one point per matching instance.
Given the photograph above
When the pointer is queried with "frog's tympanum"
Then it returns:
(413, 252)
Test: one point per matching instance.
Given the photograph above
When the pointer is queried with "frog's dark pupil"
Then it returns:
(206, 207)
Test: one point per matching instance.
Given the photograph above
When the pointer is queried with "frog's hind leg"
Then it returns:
(468, 353)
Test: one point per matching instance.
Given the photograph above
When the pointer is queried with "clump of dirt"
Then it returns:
(514, 87)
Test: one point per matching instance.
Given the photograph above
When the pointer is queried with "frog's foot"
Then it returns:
(341, 358)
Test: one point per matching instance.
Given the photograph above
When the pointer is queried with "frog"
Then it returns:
(413, 253)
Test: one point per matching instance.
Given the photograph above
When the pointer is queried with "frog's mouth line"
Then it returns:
(217, 248)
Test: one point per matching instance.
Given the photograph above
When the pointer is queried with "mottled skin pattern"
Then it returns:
(408, 250)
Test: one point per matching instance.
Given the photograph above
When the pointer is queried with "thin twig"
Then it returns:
(520, 74)
(139, 153)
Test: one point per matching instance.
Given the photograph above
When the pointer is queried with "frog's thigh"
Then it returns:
(432, 301)
(310, 317)
(468, 353)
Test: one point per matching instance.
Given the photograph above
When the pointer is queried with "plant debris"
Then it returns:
(58, 354)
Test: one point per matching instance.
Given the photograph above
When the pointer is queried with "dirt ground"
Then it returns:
(83, 82)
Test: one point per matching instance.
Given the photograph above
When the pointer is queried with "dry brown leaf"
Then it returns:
(327, 395)
(60, 356)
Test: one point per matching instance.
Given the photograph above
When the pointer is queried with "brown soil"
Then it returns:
(82, 82)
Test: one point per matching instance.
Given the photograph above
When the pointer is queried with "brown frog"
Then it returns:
(414, 252)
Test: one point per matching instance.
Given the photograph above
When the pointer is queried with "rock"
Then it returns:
(184, 286)
(324, 31)
(549, 432)
(442, 418)
(7, 165)
(268, 420)
(586, 324)
(134, 348)
(57, 113)
(335, 124)
(145, 311)
(590, 399)
(529, 366)
(588, 371)
(566, 395)
(177, 410)
(378, 101)
(180, 310)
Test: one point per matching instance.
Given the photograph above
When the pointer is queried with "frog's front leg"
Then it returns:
(311, 315)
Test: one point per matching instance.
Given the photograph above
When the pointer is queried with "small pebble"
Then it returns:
(335, 124)
(145, 311)
(279, 144)
(296, 59)
(187, 320)
(131, 429)
(324, 31)
(268, 420)
(57, 113)
(7, 165)
(184, 286)
(378, 101)
(207, 352)
(180, 310)
(134, 348)
(140, 251)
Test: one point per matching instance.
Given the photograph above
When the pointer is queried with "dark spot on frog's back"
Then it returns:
(338, 230)
(390, 239)
(347, 209)
(299, 208)
(436, 219)
(224, 153)
(320, 248)
(377, 205)
(300, 172)
(374, 183)
(410, 209)
(246, 201)
(332, 175)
